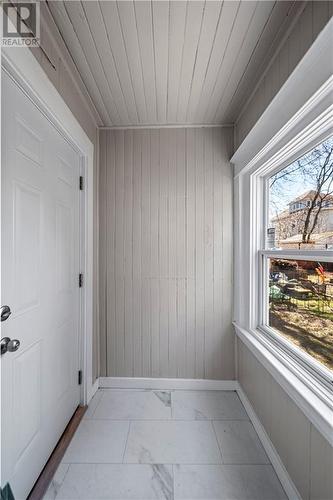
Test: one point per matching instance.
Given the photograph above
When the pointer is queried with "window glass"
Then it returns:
(301, 305)
(301, 202)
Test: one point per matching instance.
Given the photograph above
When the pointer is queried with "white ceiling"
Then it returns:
(170, 62)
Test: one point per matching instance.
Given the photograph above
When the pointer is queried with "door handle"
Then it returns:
(3, 344)
(13, 345)
(8, 345)
(5, 313)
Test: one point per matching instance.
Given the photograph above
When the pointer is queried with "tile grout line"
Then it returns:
(204, 464)
(218, 444)
(173, 482)
(97, 405)
(129, 427)
(61, 483)
(168, 419)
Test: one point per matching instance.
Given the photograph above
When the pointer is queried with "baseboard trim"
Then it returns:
(167, 383)
(281, 471)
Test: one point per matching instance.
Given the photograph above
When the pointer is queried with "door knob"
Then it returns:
(5, 312)
(4, 343)
(8, 345)
(13, 345)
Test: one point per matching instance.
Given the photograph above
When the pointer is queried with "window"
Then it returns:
(297, 262)
(307, 185)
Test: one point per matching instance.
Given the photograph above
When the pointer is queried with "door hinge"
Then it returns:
(81, 183)
(80, 280)
(79, 377)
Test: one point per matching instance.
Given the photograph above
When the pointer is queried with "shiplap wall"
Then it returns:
(309, 22)
(306, 454)
(166, 253)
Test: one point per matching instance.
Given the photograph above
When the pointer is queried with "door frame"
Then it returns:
(26, 72)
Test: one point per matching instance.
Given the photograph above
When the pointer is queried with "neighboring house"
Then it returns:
(289, 223)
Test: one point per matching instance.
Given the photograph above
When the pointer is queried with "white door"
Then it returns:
(40, 268)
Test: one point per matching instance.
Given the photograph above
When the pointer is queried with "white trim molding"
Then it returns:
(22, 66)
(94, 388)
(167, 125)
(167, 384)
(281, 472)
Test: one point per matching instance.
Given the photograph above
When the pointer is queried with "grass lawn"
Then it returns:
(311, 331)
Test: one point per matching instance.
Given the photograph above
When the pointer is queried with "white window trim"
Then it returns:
(258, 223)
(257, 158)
(309, 372)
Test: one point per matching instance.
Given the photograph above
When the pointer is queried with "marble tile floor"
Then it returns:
(170, 445)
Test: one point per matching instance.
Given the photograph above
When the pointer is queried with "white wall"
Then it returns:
(309, 24)
(166, 253)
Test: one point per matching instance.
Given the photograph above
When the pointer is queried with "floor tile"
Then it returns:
(56, 482)
(171, 442)
(226, 482)
(207, 405)
(117, 482)
(98, 441)
(134, 405)
(239, 443)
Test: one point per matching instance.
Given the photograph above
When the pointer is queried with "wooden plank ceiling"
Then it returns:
(170, 62)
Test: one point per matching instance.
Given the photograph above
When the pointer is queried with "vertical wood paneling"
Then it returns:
(164, 253)
(172, 349)
(137, 248)
(199, 254)
(181, 252)
(146, 255)
(110, 232)
(128, 250)
(209, 253)
(166, 202)
(154, 247)
(190, 252)
(119, 332)
(103, 210)
(306, 454)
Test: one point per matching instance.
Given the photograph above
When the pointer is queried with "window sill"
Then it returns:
(305, 395)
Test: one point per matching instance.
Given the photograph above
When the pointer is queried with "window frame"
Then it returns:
(315, 375)
(317, 369)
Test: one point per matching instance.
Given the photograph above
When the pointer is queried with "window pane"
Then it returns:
(301, 305)
(301, 202)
